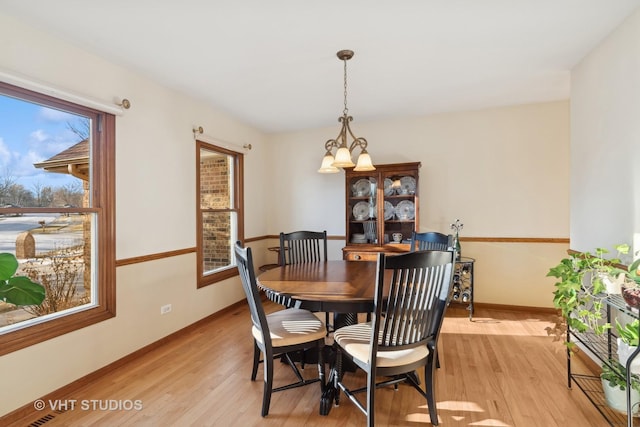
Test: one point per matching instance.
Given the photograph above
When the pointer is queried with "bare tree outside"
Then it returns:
(40, 195)
(7, 179)
(69, 196)
(59, 274)
(80, 127)
(43, 194)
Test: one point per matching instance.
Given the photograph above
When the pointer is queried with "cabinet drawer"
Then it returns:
(361, 256)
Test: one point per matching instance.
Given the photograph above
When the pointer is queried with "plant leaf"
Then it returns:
(21, 290)
(623, 248)
(8, 265)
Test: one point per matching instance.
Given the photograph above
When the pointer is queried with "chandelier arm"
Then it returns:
(341, 139)
(330, 144)
(359, 142)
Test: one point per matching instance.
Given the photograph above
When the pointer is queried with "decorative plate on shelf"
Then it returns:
(361, 188)
(389, 211)
(407, 185)
(405, 210)
(388, 187)
(361, 211)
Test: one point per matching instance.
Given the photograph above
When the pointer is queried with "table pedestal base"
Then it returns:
(326, 401)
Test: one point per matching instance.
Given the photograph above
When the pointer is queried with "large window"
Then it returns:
(220, 214)
(56, 213)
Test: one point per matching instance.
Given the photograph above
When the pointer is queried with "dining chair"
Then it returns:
(298, 247)
(431, 240)
(303, 246)
(409, 305)
(277, 334)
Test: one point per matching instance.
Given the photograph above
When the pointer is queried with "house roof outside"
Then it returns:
(73, 161)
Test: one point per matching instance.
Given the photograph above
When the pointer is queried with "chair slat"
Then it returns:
(303, 246)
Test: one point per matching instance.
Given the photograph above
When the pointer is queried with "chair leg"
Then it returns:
(268, 384)
(429, 372)
(321, 371)
(303, 359)
(327, 323)
(256, 361)
(337, 374)
(371, 394)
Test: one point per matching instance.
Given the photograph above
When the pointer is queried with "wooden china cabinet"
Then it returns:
(381, 210)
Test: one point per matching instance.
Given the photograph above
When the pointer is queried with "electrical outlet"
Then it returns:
(165, 309)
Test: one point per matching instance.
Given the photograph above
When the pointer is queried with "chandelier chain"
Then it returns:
(346, 110)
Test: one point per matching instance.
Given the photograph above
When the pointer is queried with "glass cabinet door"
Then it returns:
(400, 206)
(362, 196)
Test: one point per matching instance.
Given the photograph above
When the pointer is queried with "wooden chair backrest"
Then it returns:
(303, 246)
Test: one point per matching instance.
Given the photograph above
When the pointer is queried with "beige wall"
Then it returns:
(605, 142)
(155, 211)
(503, 172)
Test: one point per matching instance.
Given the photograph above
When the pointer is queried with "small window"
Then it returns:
(220, 215)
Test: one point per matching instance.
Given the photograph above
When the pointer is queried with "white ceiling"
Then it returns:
(273, 63)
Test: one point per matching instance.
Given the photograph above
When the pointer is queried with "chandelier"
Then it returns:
(342, 159)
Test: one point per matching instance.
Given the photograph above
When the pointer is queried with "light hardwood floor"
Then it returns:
(499, 370)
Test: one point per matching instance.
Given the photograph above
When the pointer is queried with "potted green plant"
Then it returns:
(633, 272)
(580, 292)
(614, 385)
(628, 341)
(17, 290)
(631, 286)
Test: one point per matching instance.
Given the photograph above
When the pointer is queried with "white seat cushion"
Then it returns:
(355, 340)
(292, 326)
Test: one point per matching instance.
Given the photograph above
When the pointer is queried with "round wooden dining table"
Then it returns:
(332, 286)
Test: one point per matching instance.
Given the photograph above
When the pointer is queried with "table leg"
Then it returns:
(330, 392)
(326, 401)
